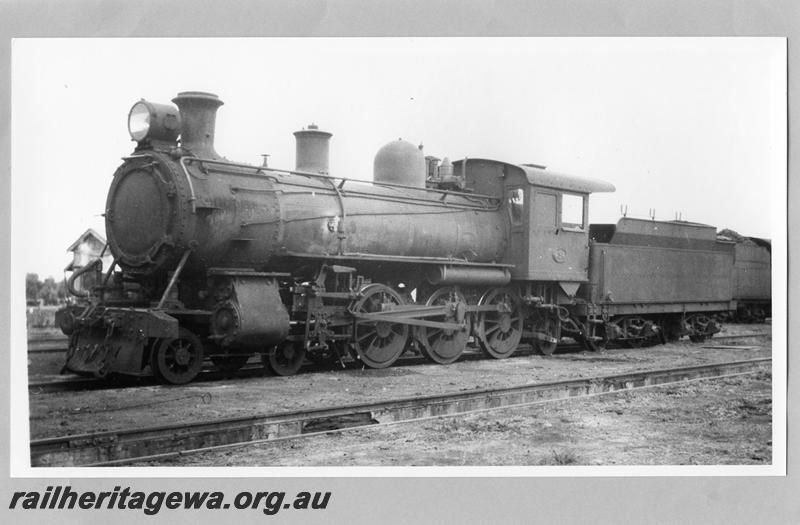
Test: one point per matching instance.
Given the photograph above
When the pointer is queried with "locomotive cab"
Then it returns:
(547, 216)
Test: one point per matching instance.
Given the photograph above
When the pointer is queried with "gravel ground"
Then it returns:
(71, 413)
(709, 422)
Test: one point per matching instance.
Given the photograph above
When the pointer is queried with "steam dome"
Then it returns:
(400, 162)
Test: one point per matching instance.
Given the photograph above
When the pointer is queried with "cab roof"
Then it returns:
(539, 176)
(552, 179)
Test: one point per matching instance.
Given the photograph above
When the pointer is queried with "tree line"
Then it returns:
(47, 292)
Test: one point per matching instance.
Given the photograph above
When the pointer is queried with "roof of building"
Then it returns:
(88, 233)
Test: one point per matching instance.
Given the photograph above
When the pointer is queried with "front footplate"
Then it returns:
(114, 340)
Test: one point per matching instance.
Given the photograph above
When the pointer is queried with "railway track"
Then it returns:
(47, 345)
(77, 383)
(73, 384)
(162, 442)
(59, 344)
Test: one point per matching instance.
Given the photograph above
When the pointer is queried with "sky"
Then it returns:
(689, 126)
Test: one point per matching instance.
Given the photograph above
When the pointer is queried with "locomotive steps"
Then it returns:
(162, 442)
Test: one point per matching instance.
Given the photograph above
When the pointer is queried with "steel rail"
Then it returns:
(162, 442)
(251, 370)
(60, 348)
(58, 343)
(523, 350)
(48, 344)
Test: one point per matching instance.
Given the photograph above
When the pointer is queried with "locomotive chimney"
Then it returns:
(312, 150)
(198, 120)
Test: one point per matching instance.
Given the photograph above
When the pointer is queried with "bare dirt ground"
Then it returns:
(44, 365)
(71, 413)
(709, 422)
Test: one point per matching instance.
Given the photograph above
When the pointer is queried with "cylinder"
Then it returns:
(400, 162)
(448, 275)
(253, 315)
(312, 150)
(198, 122)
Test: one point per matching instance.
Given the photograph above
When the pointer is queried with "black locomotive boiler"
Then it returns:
(222, 260)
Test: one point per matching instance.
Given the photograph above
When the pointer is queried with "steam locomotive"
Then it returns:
(222, 260)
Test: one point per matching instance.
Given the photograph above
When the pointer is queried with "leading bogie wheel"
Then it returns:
(378, 344)
(499, 330)
(177, 361)
(445, 345)
(286, 359)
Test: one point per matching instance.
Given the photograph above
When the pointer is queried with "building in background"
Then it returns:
(86, 248)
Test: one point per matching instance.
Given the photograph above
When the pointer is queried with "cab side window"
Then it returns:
(516, 206)
(572, 211)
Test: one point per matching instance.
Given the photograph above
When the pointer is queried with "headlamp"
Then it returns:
(149, 121)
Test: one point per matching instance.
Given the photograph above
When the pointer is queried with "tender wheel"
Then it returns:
(550, 327)
(597, 345)
(636, 331)
(378, 344)
(177, 361)
(699, 328)
(500, 330)
(441, 345)
(286, 359)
